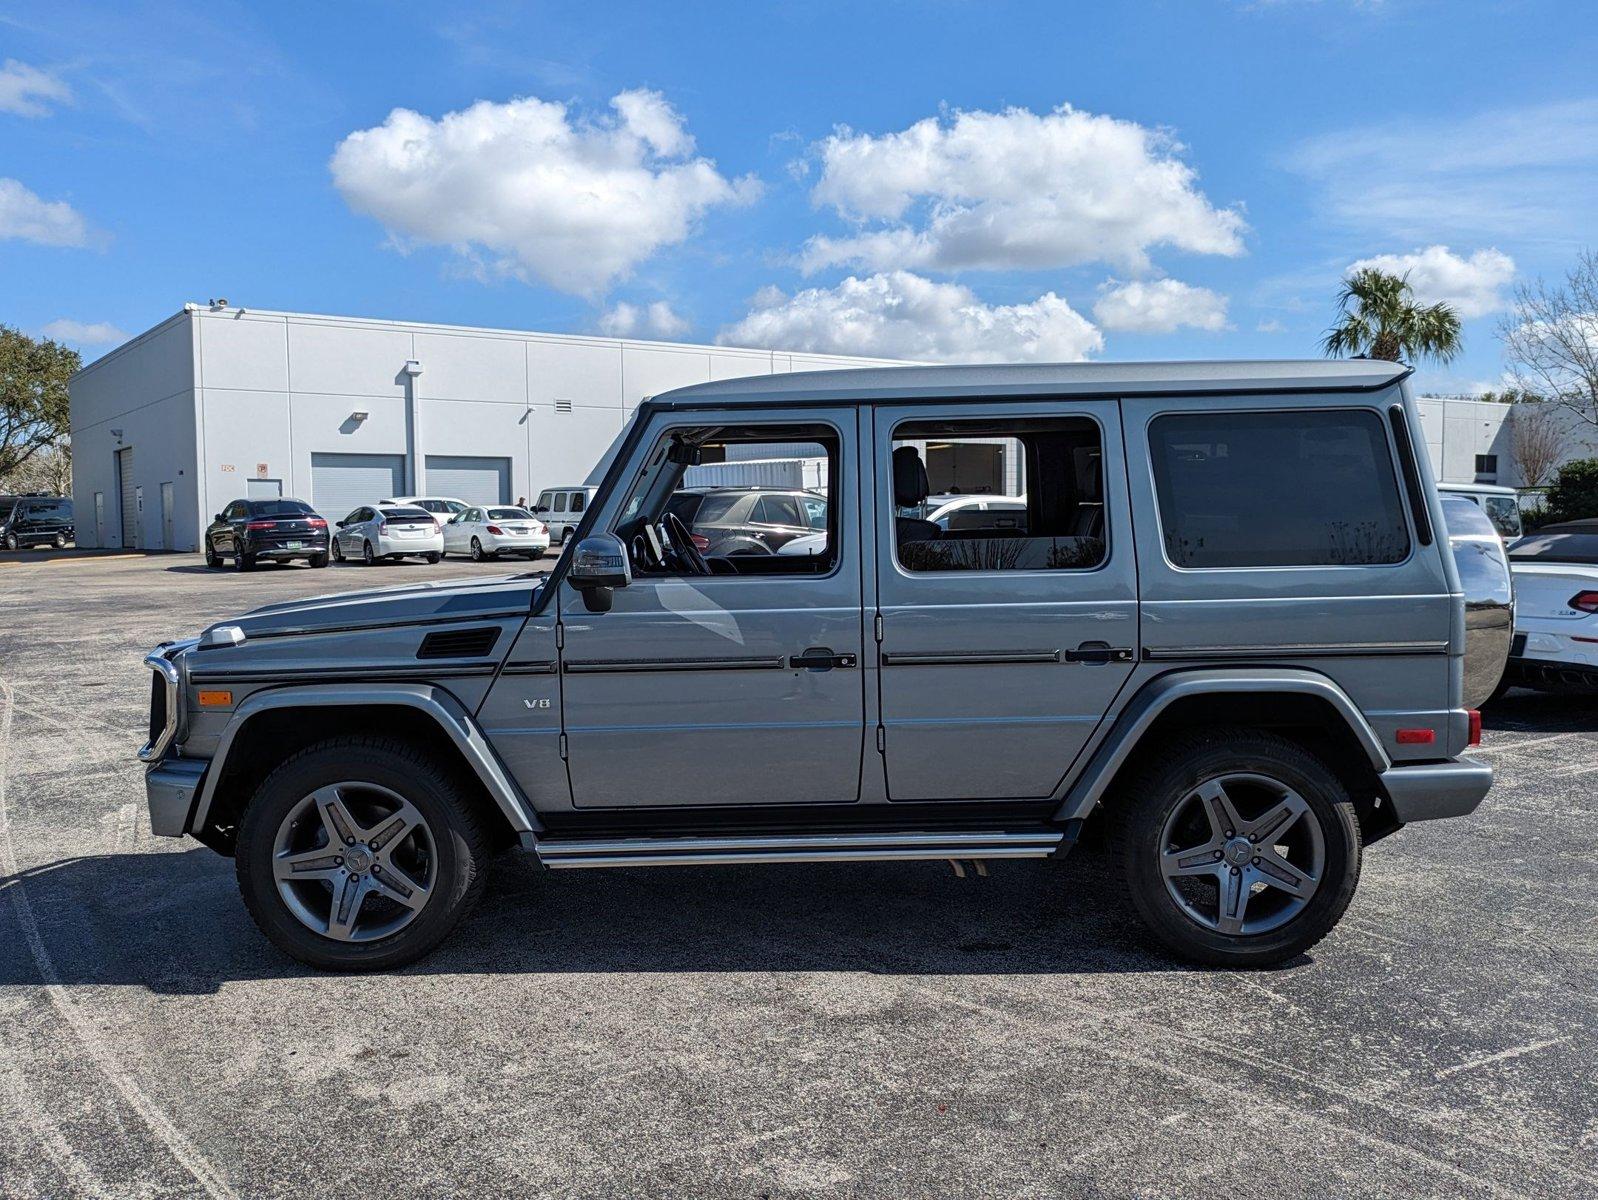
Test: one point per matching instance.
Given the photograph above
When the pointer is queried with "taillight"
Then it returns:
(701, 542)
(1475, 726)
(1586, 602)
(316, 522)
(496, 531)
(261, 525)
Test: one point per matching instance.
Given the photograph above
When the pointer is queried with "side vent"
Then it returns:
(459, 643)
(563, 406)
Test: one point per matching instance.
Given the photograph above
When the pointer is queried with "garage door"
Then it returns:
(474, 480)
(130, 503)
(341, 483)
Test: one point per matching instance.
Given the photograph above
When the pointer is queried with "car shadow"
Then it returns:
(174, 923)
(1522, 710)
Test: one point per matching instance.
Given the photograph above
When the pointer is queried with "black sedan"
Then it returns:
(279, 530)
(729, 521)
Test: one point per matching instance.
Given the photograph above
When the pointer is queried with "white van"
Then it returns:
(1501, 504)
(562, 508)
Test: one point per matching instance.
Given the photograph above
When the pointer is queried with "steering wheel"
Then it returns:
(682, 545)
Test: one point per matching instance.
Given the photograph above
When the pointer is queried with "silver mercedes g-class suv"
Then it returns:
(1218, 614)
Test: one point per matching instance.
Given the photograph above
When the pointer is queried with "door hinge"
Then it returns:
(560, 636)
(879, 627)
(882, 740)
(563, 745)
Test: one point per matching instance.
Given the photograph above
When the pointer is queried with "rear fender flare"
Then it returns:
(1160, 693)
(446, 711)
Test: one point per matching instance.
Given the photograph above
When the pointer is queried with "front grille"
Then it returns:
(157, 706)
(459, 643)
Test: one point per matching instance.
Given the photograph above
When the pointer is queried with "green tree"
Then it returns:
(1378, 318)
(33, 396)
(1574, 491)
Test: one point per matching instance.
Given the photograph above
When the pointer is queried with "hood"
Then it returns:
(405, 602)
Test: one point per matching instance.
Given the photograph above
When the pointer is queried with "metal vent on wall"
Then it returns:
(563, 406)
(459, 643)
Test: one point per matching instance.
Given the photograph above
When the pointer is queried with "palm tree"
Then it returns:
(1378, 318)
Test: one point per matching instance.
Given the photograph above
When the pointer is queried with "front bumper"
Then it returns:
(169, 789)
(1431, 791)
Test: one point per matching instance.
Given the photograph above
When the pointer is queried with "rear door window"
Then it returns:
(1277, 489)
(579, 501)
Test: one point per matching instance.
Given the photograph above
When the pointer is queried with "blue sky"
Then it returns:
(943, 180)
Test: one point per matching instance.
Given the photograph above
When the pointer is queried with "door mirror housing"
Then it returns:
(599, 565)
(540, 508)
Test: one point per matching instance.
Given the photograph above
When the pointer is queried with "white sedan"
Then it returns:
(490, 532)
(1556, 608)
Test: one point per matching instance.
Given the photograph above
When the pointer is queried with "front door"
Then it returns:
(1006, 633)
(740, 687)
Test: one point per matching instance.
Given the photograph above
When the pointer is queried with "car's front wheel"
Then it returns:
(359, 854)
(11, 542)
(1237, 847)
(212, 558)
(336, 551)
(478, 553)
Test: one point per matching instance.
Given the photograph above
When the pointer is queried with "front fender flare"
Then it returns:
(453, 720)
(1160, 693)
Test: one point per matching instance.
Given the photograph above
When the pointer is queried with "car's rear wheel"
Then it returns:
(367, 556)
(243, 561)
(319, 560)
(1237, 847)
(433, 556)
(360, 854)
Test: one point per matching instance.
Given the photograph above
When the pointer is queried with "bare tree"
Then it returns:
(1538, 429)
(1551, 339)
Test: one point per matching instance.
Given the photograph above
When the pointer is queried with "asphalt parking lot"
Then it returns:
(876, 1030)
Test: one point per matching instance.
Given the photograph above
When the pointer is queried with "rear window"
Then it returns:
(1556, 547)
(279, 508)
(1277, 489)
(435, 506)
(507, 514)
(403, 515)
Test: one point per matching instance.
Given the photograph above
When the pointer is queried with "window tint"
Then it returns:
(1505, 514)
(1556, 547)
(560, 501)
(48, 509)
(1277, 489)
(406, 514)
(279, 508)
(815, 512)
(779, 510)
(433, 506)
(507, 514)
(717, 506)
(1047, 473)
(579, 501)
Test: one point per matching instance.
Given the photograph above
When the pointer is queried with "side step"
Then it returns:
(789, 848)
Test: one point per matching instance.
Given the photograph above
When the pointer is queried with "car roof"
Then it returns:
(1007, 381)
(1585, 525)
(1489, 489)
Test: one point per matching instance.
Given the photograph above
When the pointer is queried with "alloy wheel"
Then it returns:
(366, 553)
(355, 862)
(477, 550)
(1242, 854)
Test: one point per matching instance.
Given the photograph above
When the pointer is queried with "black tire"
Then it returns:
(478, 553)
(11, 542)
(1141, 804)
(59, 541)
(318, 560)
(367, 556)
(335, 550)
(433, 557)
(243, 561)
(462, 842)
(212, 559)
(1504, 684)
(534, 555)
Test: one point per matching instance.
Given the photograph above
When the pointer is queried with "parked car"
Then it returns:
(392, 532)
(739, 521)
(970, 512)
(1556, 608)
(279, 530)
(38, 521)
(1489, 591)
(490, 532)
(441, 508)
(1251, 676)
(1501, 504)
(562, 509)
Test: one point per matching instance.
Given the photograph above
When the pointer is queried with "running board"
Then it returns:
(793, 848)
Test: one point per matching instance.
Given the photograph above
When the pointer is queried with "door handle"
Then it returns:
(820, 658)
(1099, 652)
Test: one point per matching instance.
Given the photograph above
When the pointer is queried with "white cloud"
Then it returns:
(1270, 325)
(636, 320)
(28, 91)
(1529, 169)
(1014, 189)
(1471, 285)
(1159, 306)
(84, 333)
(527, 189)
(24, 215)
(902, 315)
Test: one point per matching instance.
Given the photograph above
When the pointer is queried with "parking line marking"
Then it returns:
(1501, 1056)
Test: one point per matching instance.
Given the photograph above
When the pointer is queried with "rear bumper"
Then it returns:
(1430, 791)
(169, 789)
(1552, 674)
(387, 546)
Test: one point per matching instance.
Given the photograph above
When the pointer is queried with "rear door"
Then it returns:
(1002, 649)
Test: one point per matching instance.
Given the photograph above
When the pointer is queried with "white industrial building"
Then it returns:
(218, 403)
(221, 402)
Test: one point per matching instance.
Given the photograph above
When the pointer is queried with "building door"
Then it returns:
(474, 480)
(342, 482)
(1005, 638)
(166, 517)
(99, 519)
(127, 510)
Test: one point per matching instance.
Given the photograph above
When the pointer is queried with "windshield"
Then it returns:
(1556, 548)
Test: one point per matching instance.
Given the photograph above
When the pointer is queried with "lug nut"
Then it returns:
(1234, 870)
(349, 841)
(1256, 862)
(1217, 856)
(1229, 833)
(338, 862)
(377, 870)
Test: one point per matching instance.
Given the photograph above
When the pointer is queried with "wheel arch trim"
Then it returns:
(1156, 696)
(447, 712)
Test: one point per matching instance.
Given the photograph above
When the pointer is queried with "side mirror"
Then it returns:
(599, 565)
(217, 518)
(340, 524)
(540, 508)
